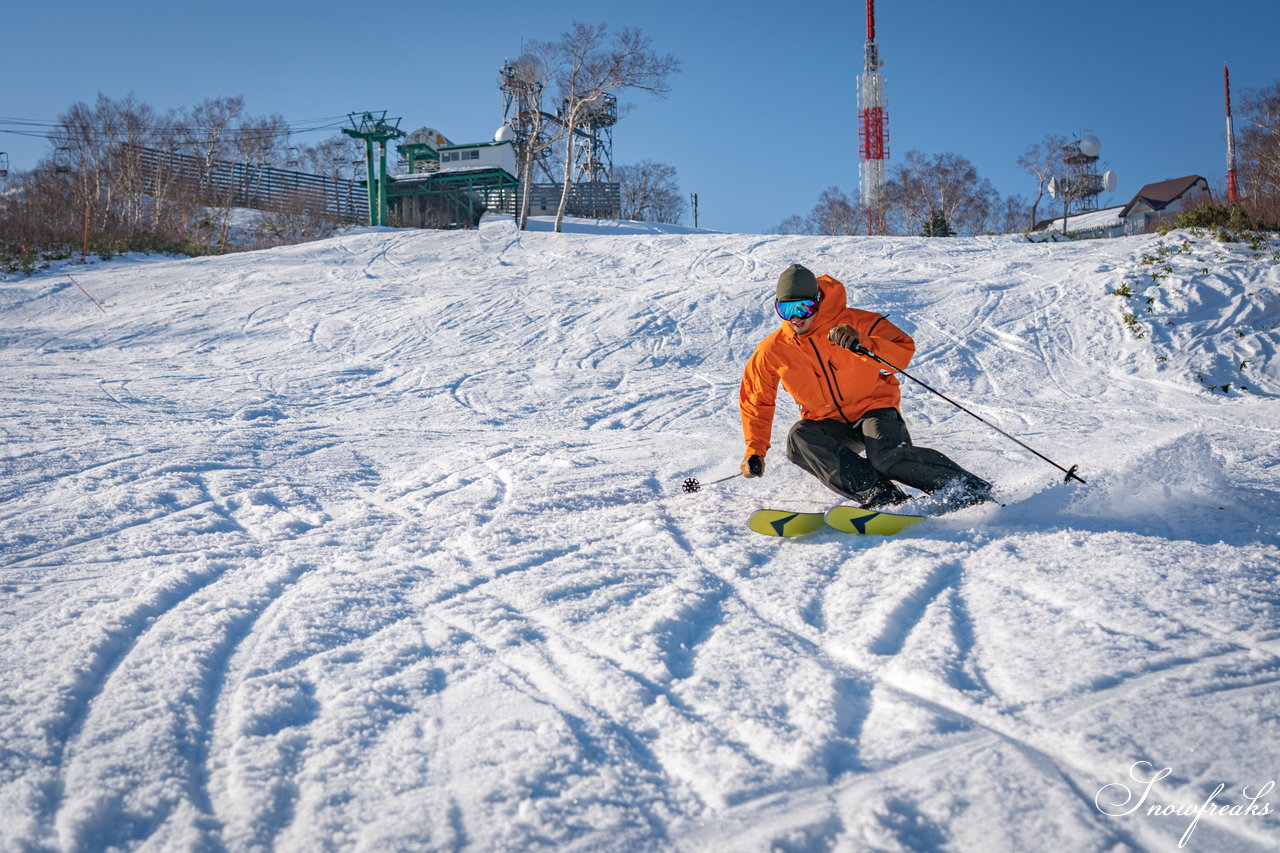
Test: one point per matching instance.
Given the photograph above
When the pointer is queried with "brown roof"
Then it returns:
(1161, 193)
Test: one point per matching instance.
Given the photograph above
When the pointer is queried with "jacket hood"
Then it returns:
(833, 302)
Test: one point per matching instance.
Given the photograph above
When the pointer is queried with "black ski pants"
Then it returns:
(831, 450)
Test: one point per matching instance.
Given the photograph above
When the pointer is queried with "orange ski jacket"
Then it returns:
(827, 381)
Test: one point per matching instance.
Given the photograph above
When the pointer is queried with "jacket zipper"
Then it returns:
(835, 380)
(831, 385)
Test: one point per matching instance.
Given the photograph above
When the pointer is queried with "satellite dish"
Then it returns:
(1109, 181)
(504, 134)
(1053, 188)
(1090, 145)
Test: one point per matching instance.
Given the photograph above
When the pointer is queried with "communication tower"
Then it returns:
(873, 128)
(593, 139)
(1233, 185)
(591, 130)
(521, 111)
(1082, 183)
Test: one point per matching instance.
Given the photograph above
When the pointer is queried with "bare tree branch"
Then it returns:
(1039, 161)
(593, 68)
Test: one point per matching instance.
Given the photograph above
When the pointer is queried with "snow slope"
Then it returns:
(378, 543)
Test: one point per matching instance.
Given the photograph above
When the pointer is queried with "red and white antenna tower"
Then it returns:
(1233, 186)
(873, 128)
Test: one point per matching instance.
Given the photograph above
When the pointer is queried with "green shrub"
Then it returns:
(1223, 216)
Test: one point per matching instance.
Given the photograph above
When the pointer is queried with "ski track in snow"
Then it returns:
(378, 543)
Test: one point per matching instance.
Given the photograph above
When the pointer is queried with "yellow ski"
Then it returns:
(852, 519)
(781, 522)
(846, 519)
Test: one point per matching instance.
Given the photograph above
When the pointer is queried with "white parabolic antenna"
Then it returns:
(1053, 188)
(1109, 181)
(1090, 145)
(504, 134)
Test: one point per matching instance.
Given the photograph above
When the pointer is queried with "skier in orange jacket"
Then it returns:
(848, 404)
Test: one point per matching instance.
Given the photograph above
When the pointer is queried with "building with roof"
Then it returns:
(450, 185)
(1154, 205)
(1159, 203)
(1090, 225)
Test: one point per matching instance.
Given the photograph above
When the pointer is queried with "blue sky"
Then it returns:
(762, 117)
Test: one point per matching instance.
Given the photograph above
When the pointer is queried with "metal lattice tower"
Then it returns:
(1082, 183)
(592, 130)
(873, 129)
(593, 140)
(521, 96)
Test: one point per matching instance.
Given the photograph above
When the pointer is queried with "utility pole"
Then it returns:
(375, 128)
(693, 200)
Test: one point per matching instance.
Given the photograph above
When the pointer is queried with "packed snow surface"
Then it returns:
(379, 543)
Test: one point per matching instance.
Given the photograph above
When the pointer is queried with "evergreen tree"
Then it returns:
(937, 226)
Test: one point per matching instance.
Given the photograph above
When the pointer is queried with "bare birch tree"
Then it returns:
(100, 147)
(938, 193)
(593, 67)
(261, 140)
(1040, 160)
(835, 215)
(207, 130)
(1013, 214)
(529, 77)
(331, 157)
(649, 192)
(793, 224)
(1259, 149)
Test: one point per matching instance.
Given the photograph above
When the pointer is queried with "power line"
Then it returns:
(57, 130)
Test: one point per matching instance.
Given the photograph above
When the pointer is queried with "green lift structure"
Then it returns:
(375, 127)
(426, 197)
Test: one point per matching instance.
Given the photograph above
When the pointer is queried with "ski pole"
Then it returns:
(1070, 472)
(755, 465)
(692, 484)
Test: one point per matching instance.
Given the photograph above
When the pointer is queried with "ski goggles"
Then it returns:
(796, 309)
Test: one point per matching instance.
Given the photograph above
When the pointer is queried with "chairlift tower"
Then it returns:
(61, 154)
(873, 128)
(373, 128)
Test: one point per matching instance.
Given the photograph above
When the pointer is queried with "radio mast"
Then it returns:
(1233, 186)
(873, 129)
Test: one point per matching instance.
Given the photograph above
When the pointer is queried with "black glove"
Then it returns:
(752, 465)
(845, 336)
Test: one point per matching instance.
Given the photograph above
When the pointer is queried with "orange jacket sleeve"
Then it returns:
(887, 340)
(757, 398)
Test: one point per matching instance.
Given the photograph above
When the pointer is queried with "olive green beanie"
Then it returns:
(796, 282)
